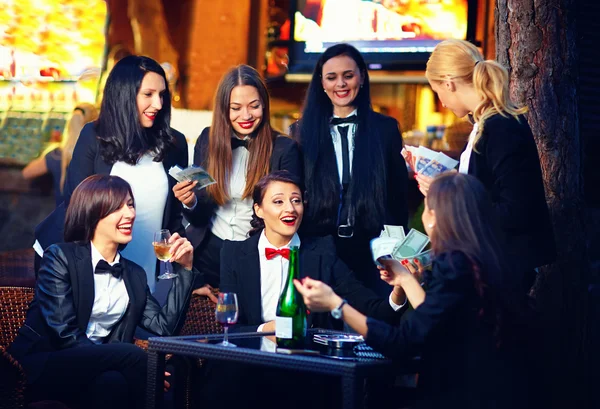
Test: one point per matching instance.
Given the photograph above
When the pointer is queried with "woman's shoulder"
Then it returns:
(509, 131)
(284, 141)
(451, 265)
(88, 133)
(318, 244)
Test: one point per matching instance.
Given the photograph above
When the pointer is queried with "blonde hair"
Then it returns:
(82, 114)
(461, 60)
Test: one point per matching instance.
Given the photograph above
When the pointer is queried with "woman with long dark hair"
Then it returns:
(465, 325)
(501, 151)
(77, 342)
(356, 179)
(132, 138)
(238, 149)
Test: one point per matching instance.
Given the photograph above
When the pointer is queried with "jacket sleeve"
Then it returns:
(200, 215)
(55, 296)
(512, 158)
(450, 285)
(175, 223)
(347, 286)
(82, 164)
(165, 320)
(290, 158)
(229, 284)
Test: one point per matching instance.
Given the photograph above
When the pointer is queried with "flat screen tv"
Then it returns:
(390, 34)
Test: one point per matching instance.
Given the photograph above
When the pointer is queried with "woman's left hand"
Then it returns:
(318, 296)
(182, 251)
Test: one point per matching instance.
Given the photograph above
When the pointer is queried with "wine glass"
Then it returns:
(226, 314)
(162, 249)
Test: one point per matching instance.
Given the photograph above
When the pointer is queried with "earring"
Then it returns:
(431, 225)
(324, 90)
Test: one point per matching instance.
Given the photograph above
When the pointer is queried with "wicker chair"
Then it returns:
(14, 302)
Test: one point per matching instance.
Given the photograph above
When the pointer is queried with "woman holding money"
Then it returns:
(463, 326)
(237, 150)
(501, 151)
(132, 138)
(350, 196)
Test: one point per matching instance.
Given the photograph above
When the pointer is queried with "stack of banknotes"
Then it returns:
(392, 243)
(427, 162)
(192, 173)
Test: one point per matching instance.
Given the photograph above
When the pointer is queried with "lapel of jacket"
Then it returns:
(310, 261)
(249, 278)
(82, 280)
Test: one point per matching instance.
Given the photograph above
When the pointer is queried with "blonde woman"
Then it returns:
(501, 151)
(56, 158)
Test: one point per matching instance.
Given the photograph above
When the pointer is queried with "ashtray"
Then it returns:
(338, 341)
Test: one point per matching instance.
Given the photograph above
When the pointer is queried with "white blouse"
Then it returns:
(465, 157)
(150, 187)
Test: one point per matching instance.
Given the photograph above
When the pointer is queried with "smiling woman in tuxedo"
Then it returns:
(237, 150)
(76, 344)
(259, 269)
(356, 178)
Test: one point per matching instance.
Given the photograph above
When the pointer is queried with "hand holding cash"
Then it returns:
(392, 243)
(191, 174)
(427, 162)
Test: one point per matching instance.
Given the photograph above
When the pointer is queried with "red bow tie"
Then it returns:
(270, 253)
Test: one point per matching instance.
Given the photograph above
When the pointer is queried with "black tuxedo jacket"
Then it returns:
(240, 273)
(387, 130)
(87, 161)
(60, 311)
(508, 165)
(285, 156)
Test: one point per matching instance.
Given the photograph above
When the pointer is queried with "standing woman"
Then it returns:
(501, 151)
(132, 139)
(238, 149)
(355, 176)
(77, 342)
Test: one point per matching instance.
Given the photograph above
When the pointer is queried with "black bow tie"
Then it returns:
(237, 142)
(352, 119)
(103, 267)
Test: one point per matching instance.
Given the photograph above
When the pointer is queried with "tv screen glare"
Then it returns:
(390, 34)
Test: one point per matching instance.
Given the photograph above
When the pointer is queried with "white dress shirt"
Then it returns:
(337, 144)
(273, 274)
(150, 188)
(110, 301)
(232, 220)
(465, 157)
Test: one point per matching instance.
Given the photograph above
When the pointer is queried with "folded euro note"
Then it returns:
(426, 161)
(192, 173)
(401, 247)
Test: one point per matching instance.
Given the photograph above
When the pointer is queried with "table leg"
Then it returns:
(155, 380)
(352, 392)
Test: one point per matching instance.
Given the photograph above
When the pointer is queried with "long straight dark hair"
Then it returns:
(122, 136)
(93, 199)
(369, 179)
(219, 158)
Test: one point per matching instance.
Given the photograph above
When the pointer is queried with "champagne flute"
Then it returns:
(162, 249)
(226, 314)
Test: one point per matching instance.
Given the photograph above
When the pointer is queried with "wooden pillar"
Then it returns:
(218, 40)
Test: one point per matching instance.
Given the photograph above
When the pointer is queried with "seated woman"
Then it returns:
(76, 344)
(256, 269)
(464, 326)
(258, 277)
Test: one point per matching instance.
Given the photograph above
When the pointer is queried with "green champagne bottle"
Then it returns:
(290, 321)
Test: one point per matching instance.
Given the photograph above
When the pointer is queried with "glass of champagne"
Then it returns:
(227, 314)
(162, 249)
